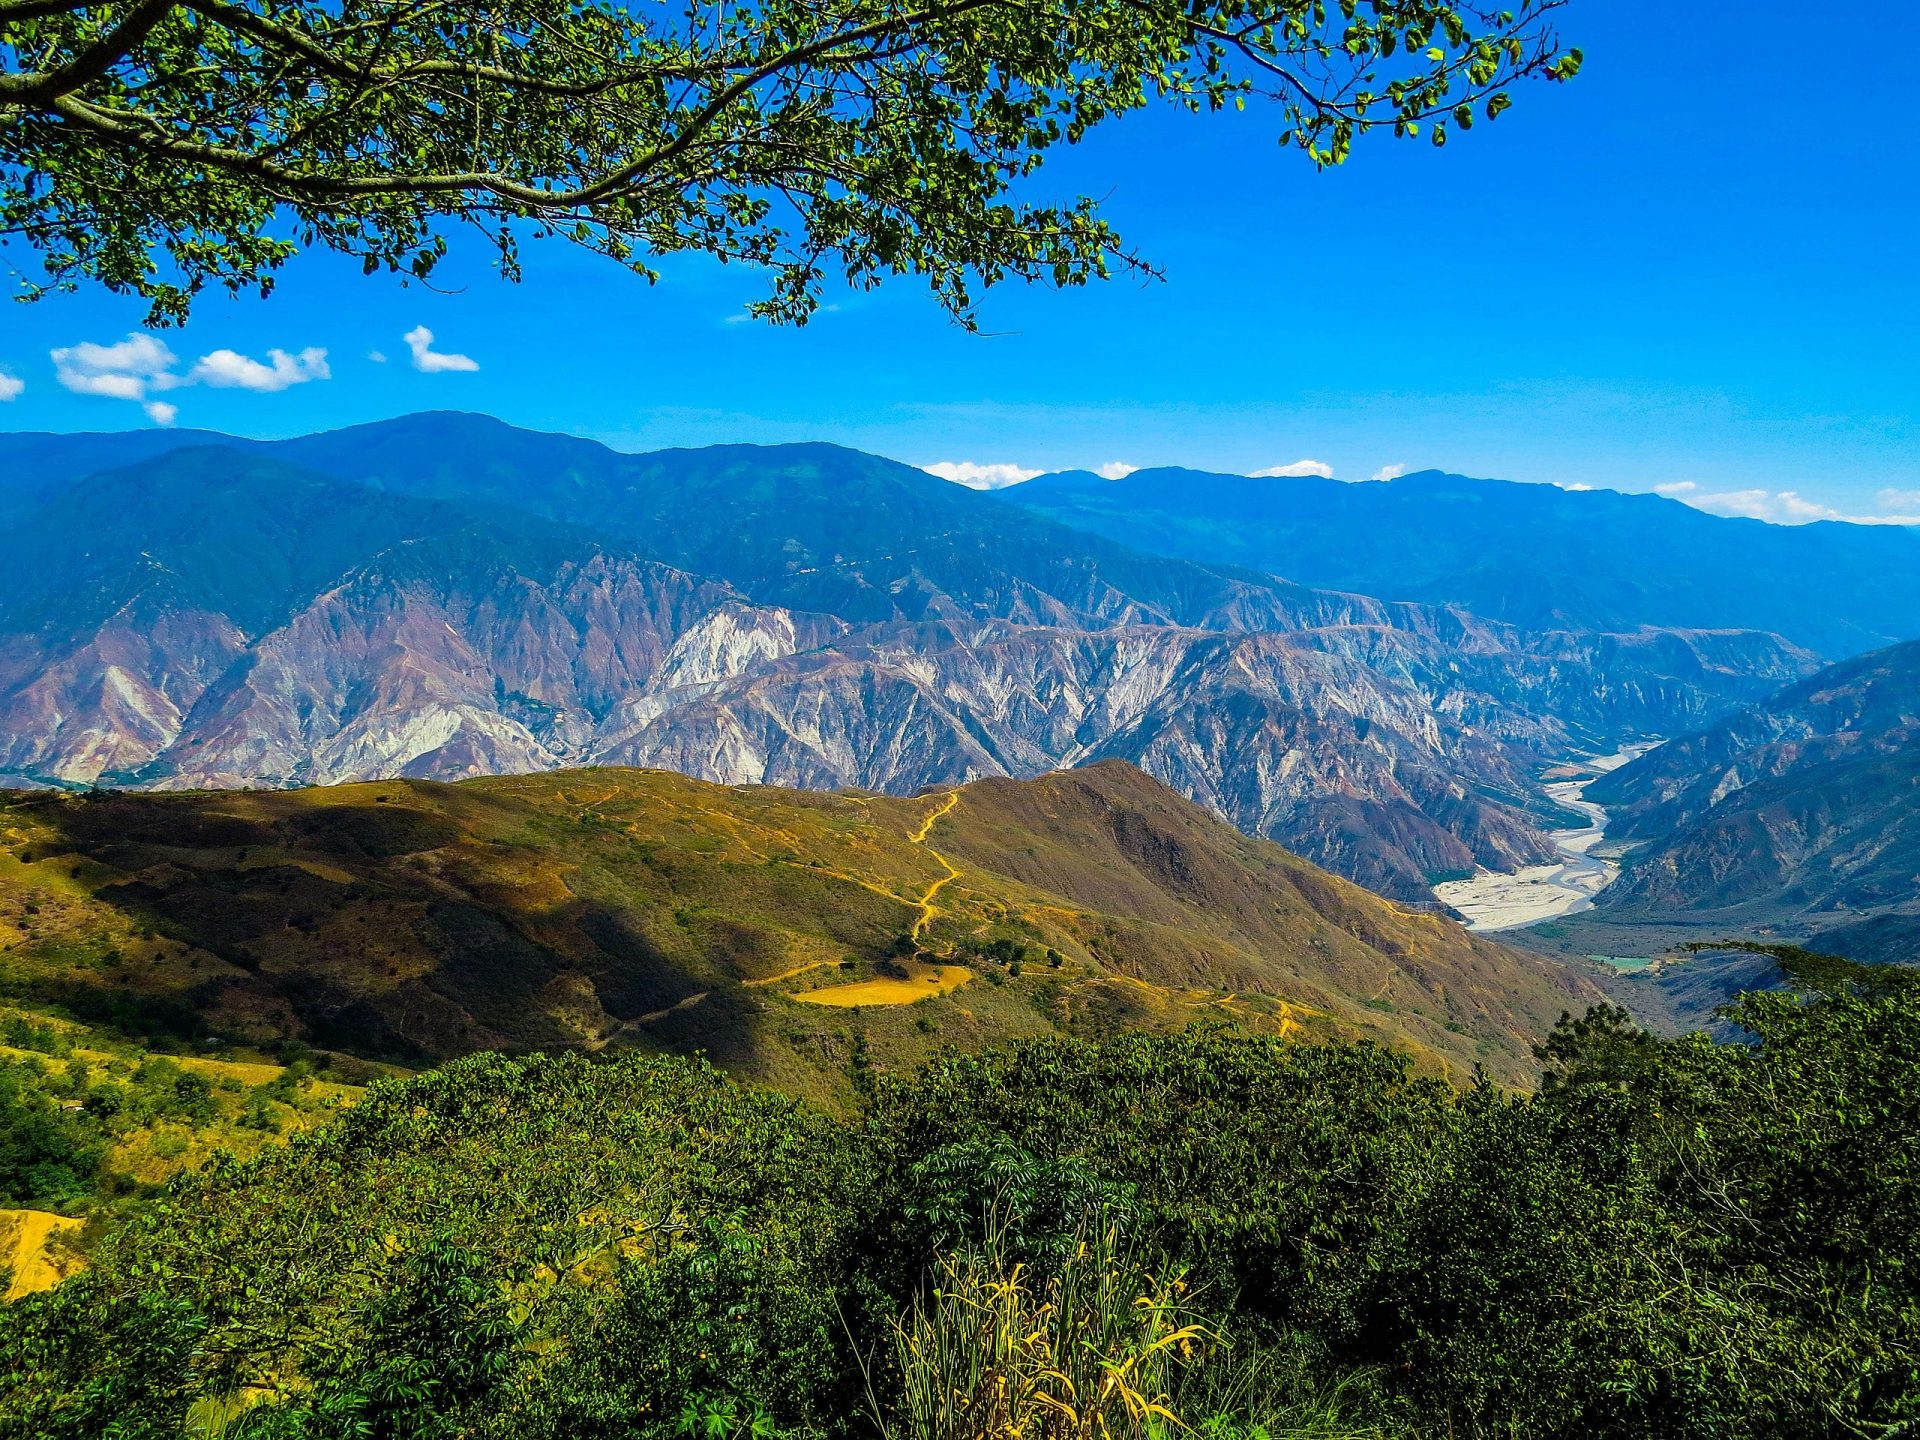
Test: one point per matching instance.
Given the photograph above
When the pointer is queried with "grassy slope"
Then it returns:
(245, 1111)
(410, 921)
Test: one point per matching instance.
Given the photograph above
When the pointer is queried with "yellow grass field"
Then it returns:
(28, 1247)
(923, 982)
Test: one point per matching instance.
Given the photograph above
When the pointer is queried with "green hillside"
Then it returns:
(92, 1128)
(797, 938)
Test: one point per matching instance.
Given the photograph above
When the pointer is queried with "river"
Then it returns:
(1493, 901)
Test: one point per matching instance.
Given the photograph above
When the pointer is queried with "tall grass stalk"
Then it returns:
(998, 1352)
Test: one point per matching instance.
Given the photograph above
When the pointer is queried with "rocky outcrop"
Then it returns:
(1871, 702)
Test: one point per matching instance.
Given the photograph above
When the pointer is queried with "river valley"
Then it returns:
(1495, 901)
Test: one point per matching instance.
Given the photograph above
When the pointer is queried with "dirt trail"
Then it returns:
(654, 1016)
(943, 979)
(919, 837)
(788, 974)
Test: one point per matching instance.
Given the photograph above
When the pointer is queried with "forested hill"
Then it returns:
(1057, 1239)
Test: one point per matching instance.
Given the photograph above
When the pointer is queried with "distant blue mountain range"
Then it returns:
(1535, 555)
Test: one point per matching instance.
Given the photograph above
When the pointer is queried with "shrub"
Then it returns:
(628, 1215)
(1279, 1173)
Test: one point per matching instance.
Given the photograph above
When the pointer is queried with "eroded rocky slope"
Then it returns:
(1802, 810)
(444, 597)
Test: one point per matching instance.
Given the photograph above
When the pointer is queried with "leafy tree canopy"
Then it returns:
(157, 147)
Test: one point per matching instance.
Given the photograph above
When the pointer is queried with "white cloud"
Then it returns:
(1749, 504)
(431, 362)
(126, 370)
(378, 357)
(1794, 510)
(1676, 487)
(1389, 472)
(1578, 487)
(1297, 468)
(140, 366)
(10, 386)
(1789, 507)
(230, 370)
(976, 476)
(1114, 470)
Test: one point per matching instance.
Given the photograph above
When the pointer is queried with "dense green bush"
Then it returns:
(1280, 1173)
(58, 1123)
(48, 1154)
(1680, 1239)
(1671, 1239)
(501, 1247)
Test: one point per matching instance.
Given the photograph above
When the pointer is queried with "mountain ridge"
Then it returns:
(1533, 554)
(663, 609)
(1801, 811)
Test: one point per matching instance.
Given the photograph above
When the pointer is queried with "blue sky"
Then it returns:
(1673, 273)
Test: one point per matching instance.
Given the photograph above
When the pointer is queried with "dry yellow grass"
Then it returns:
(923, 981)
(29, 1246)
(247, 1072)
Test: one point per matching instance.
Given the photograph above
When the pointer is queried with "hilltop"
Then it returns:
(798, 938)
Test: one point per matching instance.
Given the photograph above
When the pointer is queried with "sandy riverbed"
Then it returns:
(1493, 901)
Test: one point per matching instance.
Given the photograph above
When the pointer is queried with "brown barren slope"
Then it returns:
(1188, 901)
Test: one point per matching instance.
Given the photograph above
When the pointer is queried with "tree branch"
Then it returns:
(91, 63)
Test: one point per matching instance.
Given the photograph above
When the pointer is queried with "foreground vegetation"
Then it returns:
(1218, 1230)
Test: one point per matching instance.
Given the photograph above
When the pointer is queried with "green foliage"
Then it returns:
(74, 1125)
(1671, 1240)
(157, 147)
(1602, 1046)
(1001, 950)
(1034, 1211)
(438, 1345)
(742, 1325)
(23, 1032)
(1714, 1240)
(503, 1247)
(1822, 974)
(96, 1357)
(48, 1154)
(1278, 1171)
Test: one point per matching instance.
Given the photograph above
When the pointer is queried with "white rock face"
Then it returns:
(1388, 742)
